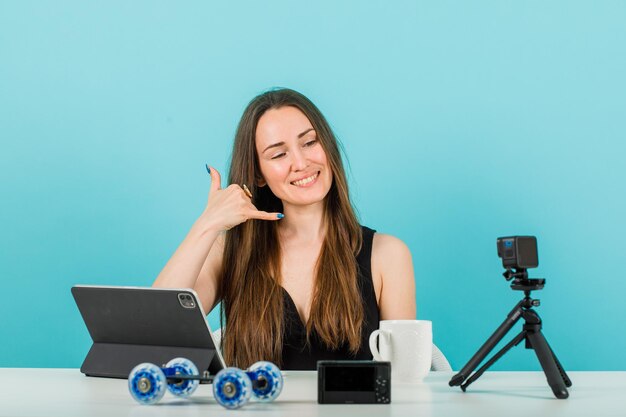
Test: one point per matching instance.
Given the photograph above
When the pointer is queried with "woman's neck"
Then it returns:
(303, 223)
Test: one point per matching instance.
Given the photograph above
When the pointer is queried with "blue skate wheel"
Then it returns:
(181, 366)
(146, 383)
(232, 388)
(267, 381)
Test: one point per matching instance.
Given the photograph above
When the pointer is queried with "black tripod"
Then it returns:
(557, 378)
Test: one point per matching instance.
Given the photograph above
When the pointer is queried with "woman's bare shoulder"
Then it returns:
(387, 245)
(392, 268)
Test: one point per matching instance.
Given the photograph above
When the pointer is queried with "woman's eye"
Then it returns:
(278, 155)
(311, 142)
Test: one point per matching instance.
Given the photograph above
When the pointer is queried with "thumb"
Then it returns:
(216, 179)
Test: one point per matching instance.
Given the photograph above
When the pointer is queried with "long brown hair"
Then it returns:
(250, 285)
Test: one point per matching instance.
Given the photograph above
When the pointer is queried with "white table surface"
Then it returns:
(68, 393)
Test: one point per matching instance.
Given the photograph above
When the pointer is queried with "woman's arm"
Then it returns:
(394, 281)
(195, 264)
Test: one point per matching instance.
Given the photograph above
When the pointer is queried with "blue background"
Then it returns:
(462, 122)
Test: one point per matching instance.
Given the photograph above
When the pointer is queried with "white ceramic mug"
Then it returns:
(407, 344)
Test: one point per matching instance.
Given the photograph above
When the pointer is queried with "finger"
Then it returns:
(216, 179)
(264, 215)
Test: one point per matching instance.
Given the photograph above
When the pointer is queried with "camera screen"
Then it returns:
(350, 378)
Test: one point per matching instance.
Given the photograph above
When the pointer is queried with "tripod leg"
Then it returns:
(568, 382)
(484, 350)
(547, 360)
(516, 340)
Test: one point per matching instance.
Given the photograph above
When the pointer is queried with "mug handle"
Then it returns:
(373, 348)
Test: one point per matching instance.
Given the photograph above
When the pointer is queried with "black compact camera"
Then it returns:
(353, 382)
(518, 252)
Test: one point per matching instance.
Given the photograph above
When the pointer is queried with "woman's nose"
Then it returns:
(299, 160)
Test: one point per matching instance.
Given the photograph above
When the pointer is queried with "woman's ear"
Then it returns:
(260, 182)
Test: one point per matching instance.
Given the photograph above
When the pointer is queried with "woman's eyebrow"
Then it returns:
(273, 145)
(305, 132)
(277, 144)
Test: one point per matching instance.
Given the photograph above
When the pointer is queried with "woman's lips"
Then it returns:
(304, 182)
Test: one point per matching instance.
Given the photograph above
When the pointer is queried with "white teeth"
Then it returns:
(305, 181)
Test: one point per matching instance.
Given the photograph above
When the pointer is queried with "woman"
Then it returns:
(299, 279)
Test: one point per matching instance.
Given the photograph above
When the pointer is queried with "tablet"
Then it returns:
(131, 325)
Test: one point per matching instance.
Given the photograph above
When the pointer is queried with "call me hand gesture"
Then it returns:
(231, 206)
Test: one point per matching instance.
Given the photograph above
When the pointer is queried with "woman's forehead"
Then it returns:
(281, 124)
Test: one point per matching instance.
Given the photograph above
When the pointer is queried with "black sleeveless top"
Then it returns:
(298, 355)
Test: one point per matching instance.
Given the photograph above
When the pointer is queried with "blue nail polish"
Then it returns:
(208, 169)
(280, 215)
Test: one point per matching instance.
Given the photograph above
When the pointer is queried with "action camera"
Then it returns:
(518, 252)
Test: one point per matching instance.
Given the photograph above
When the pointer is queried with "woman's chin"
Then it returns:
(308, 200)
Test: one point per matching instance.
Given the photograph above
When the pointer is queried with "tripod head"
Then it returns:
(521, 282)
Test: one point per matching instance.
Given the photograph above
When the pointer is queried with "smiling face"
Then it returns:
(291, 158)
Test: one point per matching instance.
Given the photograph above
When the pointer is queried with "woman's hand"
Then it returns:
(229, 207)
